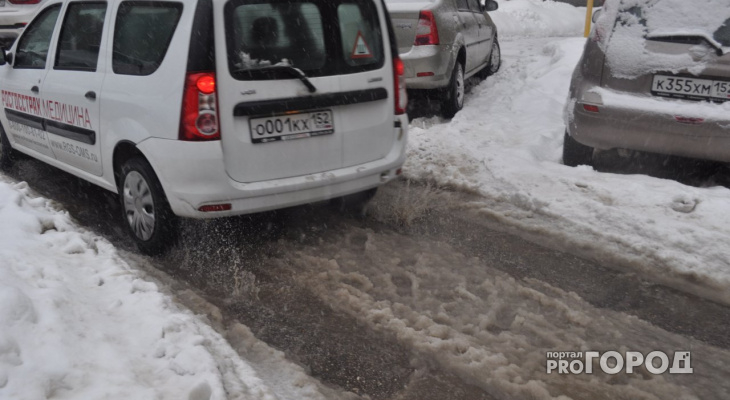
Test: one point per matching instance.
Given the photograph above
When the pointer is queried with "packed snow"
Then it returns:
(464, 316)
(506, 144)
(527, 18)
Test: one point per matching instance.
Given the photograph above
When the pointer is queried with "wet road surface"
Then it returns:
(360, 301)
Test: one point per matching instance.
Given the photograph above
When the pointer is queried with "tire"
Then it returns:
(146, 214)
(7, 155)
(354, 204)
(575, 153)
(453, 100)
(495, 61)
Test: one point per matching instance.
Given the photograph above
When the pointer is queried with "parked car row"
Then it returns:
(444, 42)
(212, 108)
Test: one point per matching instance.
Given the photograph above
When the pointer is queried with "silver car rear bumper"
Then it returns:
(646, 123)
(438, 60)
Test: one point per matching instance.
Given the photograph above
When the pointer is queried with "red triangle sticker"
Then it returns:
(361, 48)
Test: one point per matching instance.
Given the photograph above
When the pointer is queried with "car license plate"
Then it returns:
(290, 126)
(690, 88)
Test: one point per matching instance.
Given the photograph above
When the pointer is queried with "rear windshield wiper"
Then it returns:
(285, 69)
(690, 39)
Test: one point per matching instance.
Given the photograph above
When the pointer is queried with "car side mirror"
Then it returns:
(6, 57)
(596, 15)
(490, 5)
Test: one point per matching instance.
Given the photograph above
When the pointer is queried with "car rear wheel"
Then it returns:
(6, 152)
(495, 59)
(454, 99)
(575, 153)
(147, 214)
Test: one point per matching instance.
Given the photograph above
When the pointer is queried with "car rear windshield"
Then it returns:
(319, 37)
(680, 20)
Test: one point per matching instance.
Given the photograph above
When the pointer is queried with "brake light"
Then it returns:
(199, 119)
(215, 207)
(24, 1)
(206, 84)
(401, 97)
(591, 108)
(426, 31)
(598, 34)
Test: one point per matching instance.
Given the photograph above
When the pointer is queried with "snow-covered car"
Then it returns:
(14, 16)
(191, 108)
(654, 77)
(444, 42)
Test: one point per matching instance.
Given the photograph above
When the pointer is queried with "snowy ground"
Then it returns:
(507, 142)
(78, 322)
(461, 314)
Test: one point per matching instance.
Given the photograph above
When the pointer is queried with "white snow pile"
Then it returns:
(531, 18)
(629, 55)
(76, 322)
(506, 144)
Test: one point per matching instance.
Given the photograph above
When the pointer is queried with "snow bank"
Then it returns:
(537, 18)
(507, 143)
(77, 323)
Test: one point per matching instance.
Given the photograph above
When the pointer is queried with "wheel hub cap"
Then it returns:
(139, 207)
(460, 87)
(494, 61)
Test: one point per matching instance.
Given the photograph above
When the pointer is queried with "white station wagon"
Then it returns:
(208, 108)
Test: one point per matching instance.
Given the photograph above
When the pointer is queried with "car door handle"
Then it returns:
(35, 89)
(91, 95)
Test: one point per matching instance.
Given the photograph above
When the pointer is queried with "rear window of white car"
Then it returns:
(320, 37)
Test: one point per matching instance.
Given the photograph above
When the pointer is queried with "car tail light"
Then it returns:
(199, 120)
(215, 207)
(401, 97)
(24, 1)
(599, 32)
(591, 108)
(426, 31)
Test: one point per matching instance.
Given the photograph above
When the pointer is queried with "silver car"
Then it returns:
(14, 16)
(654, 77)
(444, 42)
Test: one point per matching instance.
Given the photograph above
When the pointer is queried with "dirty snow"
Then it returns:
(506, 144)
(493, 331)
(78, 322)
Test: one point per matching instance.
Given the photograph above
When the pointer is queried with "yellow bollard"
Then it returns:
(589, 17)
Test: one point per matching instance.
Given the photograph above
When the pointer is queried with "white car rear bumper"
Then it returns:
(193, 175)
